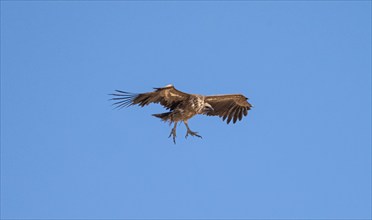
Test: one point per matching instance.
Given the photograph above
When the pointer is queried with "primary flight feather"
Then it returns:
(183, 106)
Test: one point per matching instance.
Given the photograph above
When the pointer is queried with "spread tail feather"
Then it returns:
(163, 116)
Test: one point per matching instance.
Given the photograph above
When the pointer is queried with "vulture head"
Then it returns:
(207, 108)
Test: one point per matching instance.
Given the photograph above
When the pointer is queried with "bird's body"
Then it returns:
(183, 106)
(192, 106)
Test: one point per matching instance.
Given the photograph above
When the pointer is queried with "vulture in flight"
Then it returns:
(183, 106)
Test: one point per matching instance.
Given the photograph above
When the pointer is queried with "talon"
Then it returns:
(192, 133)
(173, 133)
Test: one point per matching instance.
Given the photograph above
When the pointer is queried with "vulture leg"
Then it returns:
(192, 133)
(173, 132)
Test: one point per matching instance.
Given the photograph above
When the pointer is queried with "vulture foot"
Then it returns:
(173, 133)
(192, 133)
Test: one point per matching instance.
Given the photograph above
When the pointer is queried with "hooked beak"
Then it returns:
(209, 107)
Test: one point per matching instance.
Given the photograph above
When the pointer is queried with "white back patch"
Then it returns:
(169, 85)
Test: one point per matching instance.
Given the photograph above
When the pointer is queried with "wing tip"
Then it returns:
(123, 99)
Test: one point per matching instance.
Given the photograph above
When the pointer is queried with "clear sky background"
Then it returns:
(304, 151)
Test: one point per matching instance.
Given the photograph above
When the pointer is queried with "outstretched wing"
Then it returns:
(228, 106)
(167, 96)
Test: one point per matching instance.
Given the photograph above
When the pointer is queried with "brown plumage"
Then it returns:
(183, 106)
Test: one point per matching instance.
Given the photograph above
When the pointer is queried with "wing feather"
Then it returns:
(245, 111)
(240, 114)
(230, 107)
(231, 114)
(168, 96)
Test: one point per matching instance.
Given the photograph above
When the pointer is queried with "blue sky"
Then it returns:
(304, 151)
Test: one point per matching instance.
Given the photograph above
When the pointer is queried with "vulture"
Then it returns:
(182, 106)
